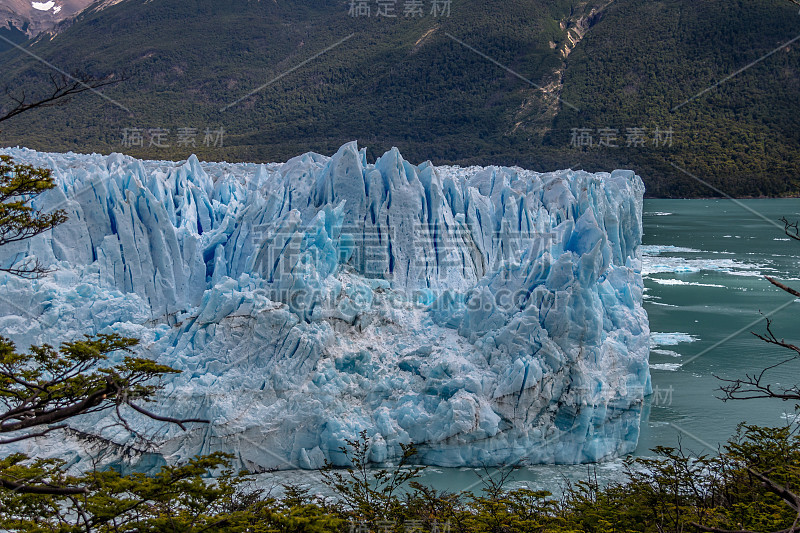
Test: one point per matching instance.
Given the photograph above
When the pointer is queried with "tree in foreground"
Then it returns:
(42, 389)
(19, 185)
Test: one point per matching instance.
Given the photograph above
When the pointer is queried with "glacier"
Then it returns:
(489, 316)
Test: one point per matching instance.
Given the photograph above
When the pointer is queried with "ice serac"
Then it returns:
(486, 315)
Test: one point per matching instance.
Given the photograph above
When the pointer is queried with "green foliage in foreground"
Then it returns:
(750, 486)
(19, 183)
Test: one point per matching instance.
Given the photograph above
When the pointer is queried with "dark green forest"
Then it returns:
(408, 82)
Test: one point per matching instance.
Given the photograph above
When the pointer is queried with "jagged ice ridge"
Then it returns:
(486, 315)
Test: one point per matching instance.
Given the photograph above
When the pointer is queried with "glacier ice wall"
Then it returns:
(487, 315)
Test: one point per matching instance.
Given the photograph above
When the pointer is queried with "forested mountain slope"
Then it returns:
(435, 86)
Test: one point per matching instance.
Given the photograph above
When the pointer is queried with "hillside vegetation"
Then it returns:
(620, 68)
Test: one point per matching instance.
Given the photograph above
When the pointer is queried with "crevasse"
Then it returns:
(486, 315)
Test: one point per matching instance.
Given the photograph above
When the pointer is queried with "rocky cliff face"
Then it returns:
(34, 17)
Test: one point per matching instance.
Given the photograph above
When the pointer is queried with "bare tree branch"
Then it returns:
(782, 492)
(789, 497)
(754, 386)
(33, 435)
(783, 287)
(40, 489)
(30, 269)
(62, 88)
(177, 421)
(791, 229)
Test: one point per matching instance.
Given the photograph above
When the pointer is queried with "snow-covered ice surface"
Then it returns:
(487, 315)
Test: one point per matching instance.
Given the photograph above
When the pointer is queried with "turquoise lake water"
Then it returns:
(704, 262)
(704, 268)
